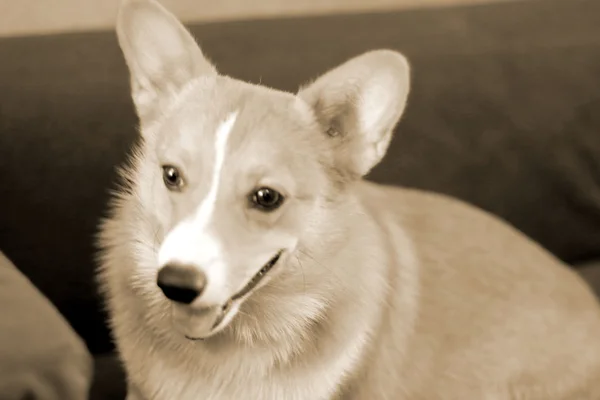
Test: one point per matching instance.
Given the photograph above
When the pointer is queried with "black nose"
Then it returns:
(181, 283)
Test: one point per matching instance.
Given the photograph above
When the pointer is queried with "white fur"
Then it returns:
(192, 242)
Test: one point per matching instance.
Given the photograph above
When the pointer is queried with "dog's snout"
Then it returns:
(181, 283)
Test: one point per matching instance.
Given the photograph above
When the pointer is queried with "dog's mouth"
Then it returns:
(249, 287)
(256, 278)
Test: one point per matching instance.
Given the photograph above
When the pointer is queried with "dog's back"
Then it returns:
(496, 314)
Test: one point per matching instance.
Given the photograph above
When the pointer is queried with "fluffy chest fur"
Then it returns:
(185, 372)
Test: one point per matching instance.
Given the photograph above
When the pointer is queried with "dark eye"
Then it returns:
(267, 199)
(172, 178)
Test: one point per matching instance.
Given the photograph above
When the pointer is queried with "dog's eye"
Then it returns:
(267, 199)
(172, 178)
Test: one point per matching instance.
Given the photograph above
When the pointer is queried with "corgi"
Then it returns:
(247, 256)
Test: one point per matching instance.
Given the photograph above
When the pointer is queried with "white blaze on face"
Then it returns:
(191, 242)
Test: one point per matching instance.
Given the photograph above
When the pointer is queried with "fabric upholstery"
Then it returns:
(41, 356)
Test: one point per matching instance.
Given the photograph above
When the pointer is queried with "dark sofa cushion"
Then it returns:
(503, 113)
(109, 378)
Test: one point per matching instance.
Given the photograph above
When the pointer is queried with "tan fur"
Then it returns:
(382, 292)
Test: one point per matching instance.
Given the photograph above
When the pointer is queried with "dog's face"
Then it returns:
(235, 175)
(231, 186)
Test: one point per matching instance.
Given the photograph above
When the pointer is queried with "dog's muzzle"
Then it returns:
(218, 314)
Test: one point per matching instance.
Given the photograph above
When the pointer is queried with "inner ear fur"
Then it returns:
(358, 105)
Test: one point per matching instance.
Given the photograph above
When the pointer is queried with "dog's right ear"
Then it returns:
(162, 56)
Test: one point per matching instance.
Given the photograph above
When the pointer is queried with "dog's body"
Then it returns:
(368, 292)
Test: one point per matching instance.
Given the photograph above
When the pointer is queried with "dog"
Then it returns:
(246, 256)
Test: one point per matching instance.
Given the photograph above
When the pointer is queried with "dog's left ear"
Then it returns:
(358, 104)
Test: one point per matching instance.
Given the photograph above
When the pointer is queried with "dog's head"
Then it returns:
(237, 177)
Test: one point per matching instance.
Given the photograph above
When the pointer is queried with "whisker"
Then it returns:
(307, 254)
(302, 269)
(156, 244)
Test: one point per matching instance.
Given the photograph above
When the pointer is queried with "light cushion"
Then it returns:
(41, 357)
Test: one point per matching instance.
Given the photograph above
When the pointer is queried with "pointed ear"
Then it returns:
(162, 56)
(358, 104)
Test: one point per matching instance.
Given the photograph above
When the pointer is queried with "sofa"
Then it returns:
(504, 113)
